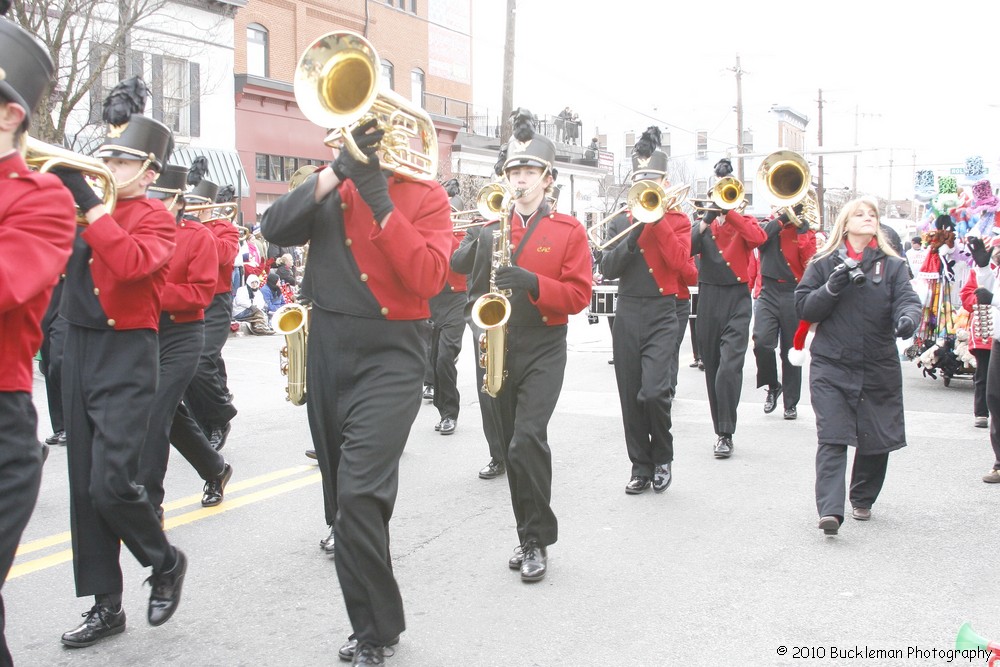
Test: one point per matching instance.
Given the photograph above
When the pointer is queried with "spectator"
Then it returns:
(249, 306)
(915, 255)
(274, 298)
(592, 149)
(561, 121)
(285, 268)
(572, 128)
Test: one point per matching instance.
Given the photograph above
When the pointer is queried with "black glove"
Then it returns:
(783, 218)
(367, 176)
(514, 277)
(980, 255)
(83, 194)
(838, 280)
(904, 327)
(984, 296)
(711, 215)
(632, 240)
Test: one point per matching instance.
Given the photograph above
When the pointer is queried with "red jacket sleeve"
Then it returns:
(747, 227)
(673, 237)
(131, 255)
(968, 292)
(195, 289)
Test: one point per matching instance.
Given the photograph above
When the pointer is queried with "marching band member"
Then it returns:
(550, 278)
(687, 279)
(378, 253)
(783, 258)
(648, 264)
(724, 241)
(190, 287)
(111, 300)
(448, 325)
(982, 284)
(37, 223)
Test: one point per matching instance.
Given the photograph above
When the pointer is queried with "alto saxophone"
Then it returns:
(491, 311)
(292, 320)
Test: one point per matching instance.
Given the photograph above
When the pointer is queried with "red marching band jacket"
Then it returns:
(797, 248)
(981, 318)
(666, 247)
(227, 243)
(736, 239)
(37, 228)
(457, 281)
(191, 274)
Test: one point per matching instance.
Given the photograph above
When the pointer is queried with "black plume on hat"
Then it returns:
(4, 6)
(523, 124)
(227, 193)
(125, 99)
(501, 159)
(199, 167)
(723, 167)
(648, 142)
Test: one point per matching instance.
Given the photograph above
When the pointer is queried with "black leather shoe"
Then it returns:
(701, 365)
(311, 454)
(724, 447)
(327, 545)
(166, 593)
(428, 394)
(100, 622)
(791, 413)
(829, 525)
(215, 488)
(45, 452)
(57, 438)
(515, 561)
(493, 469)
(448, 426)
(861, 513)
(535, 562)
(368, 654)
(771, 400)
(218, 436)
(437, 427)
(611, 361)
(662, 477)
(347, 651)
(694, 364)
(637, 484)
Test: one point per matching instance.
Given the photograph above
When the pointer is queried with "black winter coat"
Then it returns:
(855, 380)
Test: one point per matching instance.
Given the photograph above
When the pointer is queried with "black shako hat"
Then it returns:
(131, 135)
(648, 161)
(527, 149)
(25, 67)
(172, 182)
(204, 193)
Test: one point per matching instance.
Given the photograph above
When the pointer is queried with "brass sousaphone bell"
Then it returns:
(337, 85)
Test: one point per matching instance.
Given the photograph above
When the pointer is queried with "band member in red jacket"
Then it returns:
(724, 240)
(111, 300)
(448, 322)
(378, 252)
(549, 278)
(648, 263)
(37, 223)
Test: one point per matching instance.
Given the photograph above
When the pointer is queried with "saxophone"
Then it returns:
(292, 320)
(491, 311)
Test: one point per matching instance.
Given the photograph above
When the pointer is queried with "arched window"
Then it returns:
(257, 51)
(387, 74)
(417, 86)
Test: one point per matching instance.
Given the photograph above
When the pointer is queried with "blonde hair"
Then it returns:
(839, 231)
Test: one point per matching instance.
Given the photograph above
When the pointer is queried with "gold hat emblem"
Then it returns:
(643, 162)
(519, 146)
(115, 131)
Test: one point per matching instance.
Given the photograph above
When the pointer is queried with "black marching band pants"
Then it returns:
(993, 400)
(20, 478)
(50, 365)
(775, 322)
(207, 396)
(645, 343)
(109, 382)
(491, 423)
(363, 381)
(683, 314)
(867, 476)
(723, 334)
(446, 344)
(536, 364)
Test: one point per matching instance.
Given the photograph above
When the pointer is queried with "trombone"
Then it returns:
(647, 201)
(490, 203)
(43, 157)
(227, 210)
(727, 194)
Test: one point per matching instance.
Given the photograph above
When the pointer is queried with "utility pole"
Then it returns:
(739, 117)
(888, 203)
(854, 178)
(507, 103)
(819, 162)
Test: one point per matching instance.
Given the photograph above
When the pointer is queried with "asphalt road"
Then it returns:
(725, 568)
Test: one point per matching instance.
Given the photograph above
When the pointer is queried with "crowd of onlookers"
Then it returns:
(265, 277)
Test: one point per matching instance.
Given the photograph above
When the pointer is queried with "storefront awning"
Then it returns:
(224, 167)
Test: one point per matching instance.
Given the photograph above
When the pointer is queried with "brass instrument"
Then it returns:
(337, 85)
(292, 320)
(726, 195)
(490, 203)
(784, 176)
(227, 211)
(491, 311)
(300, 175)
(43, 157)
(647, 201)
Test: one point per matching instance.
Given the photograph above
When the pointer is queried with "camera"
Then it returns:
(854, 271)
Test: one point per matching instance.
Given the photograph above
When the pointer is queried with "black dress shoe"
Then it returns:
(611, 361)
(311, 454)
(724, 447)
(428, 394)
(328, 546)
(368, 655)
(771, 400)
(515, 561)
(535, 562)
(448, 426)
(57, 438)
(45, 452)
(215, 488)
(637, 484)
(695, 363)
(662, 477)
(493, 469)
(99, 622)
(347, 651)
(829, 525)
(437, 427)
(166, 593)
(791, 413)
(218, 436)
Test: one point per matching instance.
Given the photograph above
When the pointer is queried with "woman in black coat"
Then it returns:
(857, 291)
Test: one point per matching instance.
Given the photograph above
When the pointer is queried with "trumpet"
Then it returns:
(647, 201)
(337, 84)
(227, 211)
(43, 157)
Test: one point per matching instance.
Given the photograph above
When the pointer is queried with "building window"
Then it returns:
(276, 171)
(175, 94)
(388, 72)
(702, 143)
(701, 188)
(417, 87)
(665, 145)
(261, 167)
(257, 56)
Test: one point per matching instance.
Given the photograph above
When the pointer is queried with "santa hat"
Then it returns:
(799, 354)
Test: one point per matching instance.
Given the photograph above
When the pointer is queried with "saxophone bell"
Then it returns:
(292, 320)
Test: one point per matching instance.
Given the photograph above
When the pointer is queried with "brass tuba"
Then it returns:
(292, 320)
(785, 178)
(43, 157)
(337, 85)
(491, 311)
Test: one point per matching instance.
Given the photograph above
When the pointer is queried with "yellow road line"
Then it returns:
(66, 555)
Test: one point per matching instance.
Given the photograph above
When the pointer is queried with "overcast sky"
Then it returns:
(921, 78)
